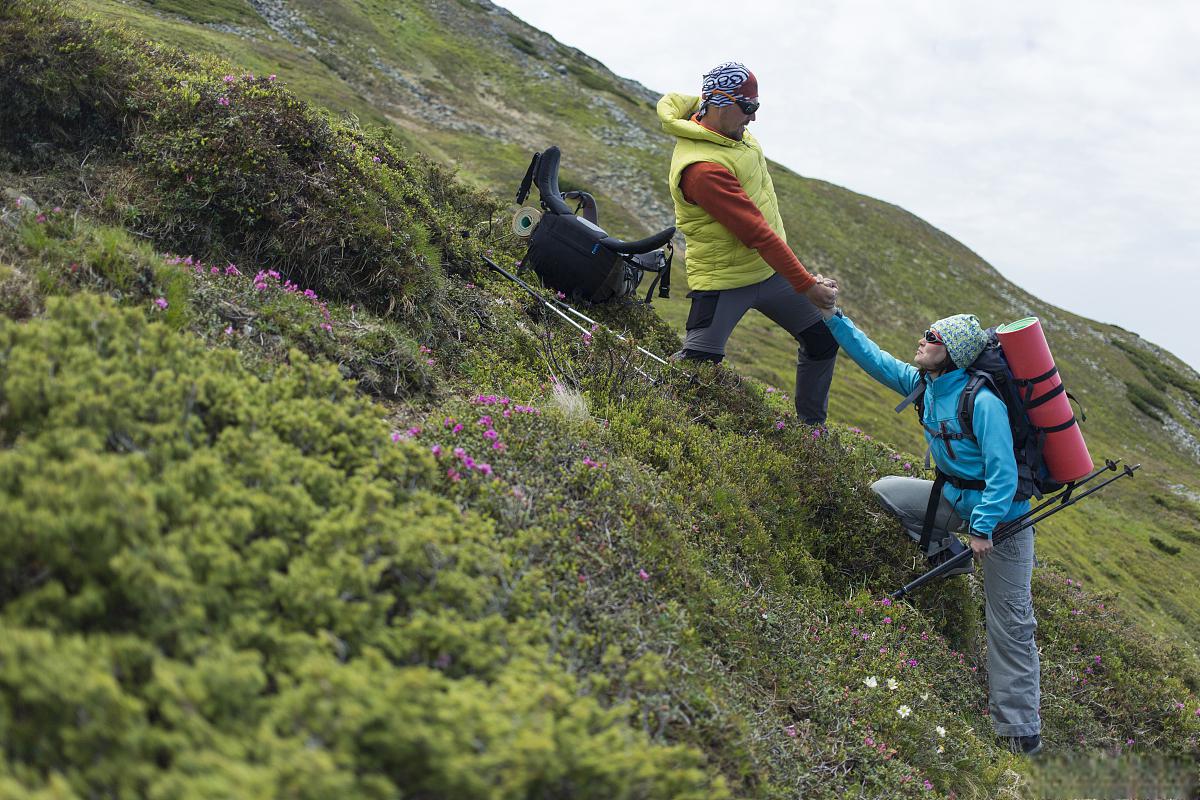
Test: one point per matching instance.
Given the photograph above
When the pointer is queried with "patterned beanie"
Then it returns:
(731, 78)
(963, 336)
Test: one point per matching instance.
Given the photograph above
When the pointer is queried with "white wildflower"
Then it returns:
(893, 684)
(940, 731)
(871, 682)
(903, 711)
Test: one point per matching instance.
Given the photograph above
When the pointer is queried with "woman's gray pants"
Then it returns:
(1014, 669)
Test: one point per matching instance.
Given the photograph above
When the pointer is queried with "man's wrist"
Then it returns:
(980, 534)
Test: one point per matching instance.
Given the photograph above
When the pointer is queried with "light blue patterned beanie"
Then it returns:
(963, 336)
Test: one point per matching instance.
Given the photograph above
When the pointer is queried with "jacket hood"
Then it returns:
(675, 113)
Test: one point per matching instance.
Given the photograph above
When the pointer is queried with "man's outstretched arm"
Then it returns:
(717, 191)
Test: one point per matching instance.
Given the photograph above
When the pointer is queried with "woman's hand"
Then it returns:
(980, 546)
(827, 290)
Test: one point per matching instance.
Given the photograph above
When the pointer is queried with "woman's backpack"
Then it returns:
(573, 254)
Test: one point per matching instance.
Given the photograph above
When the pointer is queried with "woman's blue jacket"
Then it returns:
(989, 457)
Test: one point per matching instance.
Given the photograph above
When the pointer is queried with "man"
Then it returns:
(980, 494)
(737, 253)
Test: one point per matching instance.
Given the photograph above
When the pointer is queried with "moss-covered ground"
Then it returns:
(299, 500)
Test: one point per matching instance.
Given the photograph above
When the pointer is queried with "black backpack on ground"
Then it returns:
(574, 255)
(991, 369)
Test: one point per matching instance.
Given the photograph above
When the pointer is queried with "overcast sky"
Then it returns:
(1059, 140)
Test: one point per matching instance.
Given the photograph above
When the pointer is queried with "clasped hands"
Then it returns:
(824, 295)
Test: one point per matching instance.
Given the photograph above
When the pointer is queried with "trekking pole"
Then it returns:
(1065, 495)
(1015, 526)
(553, 307)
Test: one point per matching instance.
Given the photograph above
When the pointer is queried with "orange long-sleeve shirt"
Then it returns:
(717, 191)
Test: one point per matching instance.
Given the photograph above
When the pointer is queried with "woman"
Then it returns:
(978, 497)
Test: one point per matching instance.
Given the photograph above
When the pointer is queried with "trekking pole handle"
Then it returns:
(1010, 529)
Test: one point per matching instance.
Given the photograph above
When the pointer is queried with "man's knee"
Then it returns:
(817, 343)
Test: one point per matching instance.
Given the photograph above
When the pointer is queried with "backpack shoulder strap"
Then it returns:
(916, 397)
(966, 400)
(527, 181)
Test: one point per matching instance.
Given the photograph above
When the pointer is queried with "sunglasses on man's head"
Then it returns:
(932, 337)
(748, 107)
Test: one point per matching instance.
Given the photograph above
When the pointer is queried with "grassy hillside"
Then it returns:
(299, 501)
(473, 87)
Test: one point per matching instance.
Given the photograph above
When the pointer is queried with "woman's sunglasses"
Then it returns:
(748, 107)
(932, 337)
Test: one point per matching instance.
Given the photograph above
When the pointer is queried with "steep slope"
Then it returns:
(350, 517)
(471, 85)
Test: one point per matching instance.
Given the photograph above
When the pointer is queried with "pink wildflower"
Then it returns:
(414, 431)
(499, 446)
(376, 159)
(491, 434)
(486, 469)
(485, 420)
(271, 77)
(396, 436)
(436, 450)
(229, 330)
(790, 730)
(161, 302)
(453, 475)
(642, 574)
(229, 79)
(457, 428)
(223, 101)
(780, 425)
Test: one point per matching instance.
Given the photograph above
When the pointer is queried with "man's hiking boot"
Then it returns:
(1025, 745)
(950, 552)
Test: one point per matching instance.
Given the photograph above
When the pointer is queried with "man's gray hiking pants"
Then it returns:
(1014, 669)
(715, 313)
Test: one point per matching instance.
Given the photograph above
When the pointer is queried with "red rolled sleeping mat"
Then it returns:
(1029, 358)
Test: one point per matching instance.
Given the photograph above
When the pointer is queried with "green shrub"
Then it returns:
(229, 571)
(1149, 402)
(1169, 549)
(231, 167)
